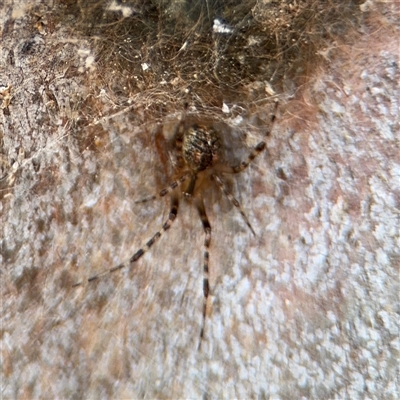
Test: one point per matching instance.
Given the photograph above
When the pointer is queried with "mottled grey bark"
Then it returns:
(308, 308)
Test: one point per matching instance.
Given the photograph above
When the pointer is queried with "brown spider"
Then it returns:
(198, 148)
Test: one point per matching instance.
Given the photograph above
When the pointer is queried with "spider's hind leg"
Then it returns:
(207, 240)
(167, 224)
(234, 201)
(166, 190)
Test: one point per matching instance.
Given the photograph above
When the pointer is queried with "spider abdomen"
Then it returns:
(200, 147)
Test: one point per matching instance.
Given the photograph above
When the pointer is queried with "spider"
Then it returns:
(198, 150)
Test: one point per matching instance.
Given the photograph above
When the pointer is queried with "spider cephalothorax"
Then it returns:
(197, 153)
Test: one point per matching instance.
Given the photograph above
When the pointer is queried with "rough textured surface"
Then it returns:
(308, 308)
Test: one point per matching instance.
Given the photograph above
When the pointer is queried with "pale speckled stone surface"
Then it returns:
(307, 309)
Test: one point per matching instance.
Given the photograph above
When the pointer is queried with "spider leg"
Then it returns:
(179, 144)
(256, 151)
(167, 224)
(244, 164)
(166, 190)
(233, 201)
(206, 285)
(189, 191)
(179, 136)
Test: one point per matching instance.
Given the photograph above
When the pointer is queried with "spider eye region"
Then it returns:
(200, 147)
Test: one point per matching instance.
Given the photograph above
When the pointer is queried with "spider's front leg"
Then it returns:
(179, 133)
(256, 151)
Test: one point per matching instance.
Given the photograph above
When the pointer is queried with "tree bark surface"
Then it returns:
(308, 308)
